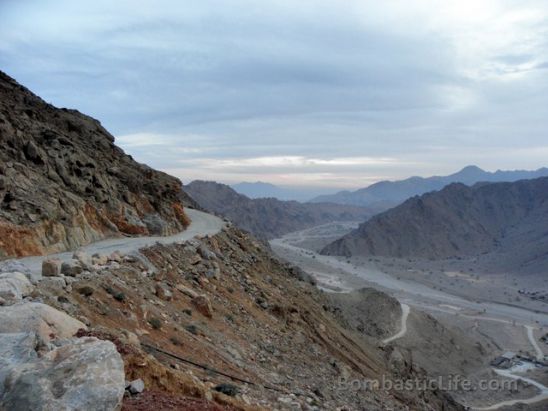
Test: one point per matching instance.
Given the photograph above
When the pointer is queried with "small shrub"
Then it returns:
(175, 341)
(192, 329)
(86, 291)
(119, 296)
(155, 323)
(227, 389)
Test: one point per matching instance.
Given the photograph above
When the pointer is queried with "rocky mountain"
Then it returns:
(387, 194)
(509, 220)
(269, 218)
(64, 183)
(212, 322)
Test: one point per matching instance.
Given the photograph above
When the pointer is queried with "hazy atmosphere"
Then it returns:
(322, 93)
(195, 213)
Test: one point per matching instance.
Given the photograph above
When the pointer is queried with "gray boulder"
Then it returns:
(99, 259)
(55, 285)
(81, 374)
(12, 266)
(83, 258)
(15, 349)
(51, 267)
(136, 387)
(13, 287)
(72, 268)
(156, 225)
(206, 253)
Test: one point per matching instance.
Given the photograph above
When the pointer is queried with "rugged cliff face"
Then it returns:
(269, 218)
(64, 183)
(507, 219)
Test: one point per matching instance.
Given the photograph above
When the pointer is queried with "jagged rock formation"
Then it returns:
(387, 194)
(506, 219)
(64, 183)
(269, 218)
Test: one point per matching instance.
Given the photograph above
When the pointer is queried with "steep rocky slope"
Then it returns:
(64, 183)
(225, 303)
(507, 219)
(370, 312)
(269, 218)
(387, 194)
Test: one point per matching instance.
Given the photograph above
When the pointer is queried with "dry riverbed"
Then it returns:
(486, 308)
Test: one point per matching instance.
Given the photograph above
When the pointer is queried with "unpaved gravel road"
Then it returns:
(202, 224)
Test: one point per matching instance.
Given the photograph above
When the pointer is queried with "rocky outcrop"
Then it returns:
(506, 219)
(368, 311)
(15, 349)
(268, 218)
(64, 183)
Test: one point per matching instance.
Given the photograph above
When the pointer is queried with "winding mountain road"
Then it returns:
(405, 314)
(531, 335)
(201, 224)
(542, 396)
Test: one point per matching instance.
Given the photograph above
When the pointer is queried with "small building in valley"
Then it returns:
(505, 361)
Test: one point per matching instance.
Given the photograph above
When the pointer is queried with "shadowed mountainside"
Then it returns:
(507, 219)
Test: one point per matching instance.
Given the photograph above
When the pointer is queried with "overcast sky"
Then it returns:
(334, 93)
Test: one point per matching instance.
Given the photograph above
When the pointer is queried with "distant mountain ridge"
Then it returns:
(261, 189)
(387, 194)
(269, 218)
(507, 219)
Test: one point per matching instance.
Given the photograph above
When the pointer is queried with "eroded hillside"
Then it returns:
(64, 183)
(505, 220)
(269, 218)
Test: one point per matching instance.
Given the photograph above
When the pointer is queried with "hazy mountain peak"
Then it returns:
(472, 169)
(388, 194)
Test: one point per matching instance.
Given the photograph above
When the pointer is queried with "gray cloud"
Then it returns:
(184, 86)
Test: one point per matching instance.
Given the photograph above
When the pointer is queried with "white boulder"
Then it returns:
(47, 322)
